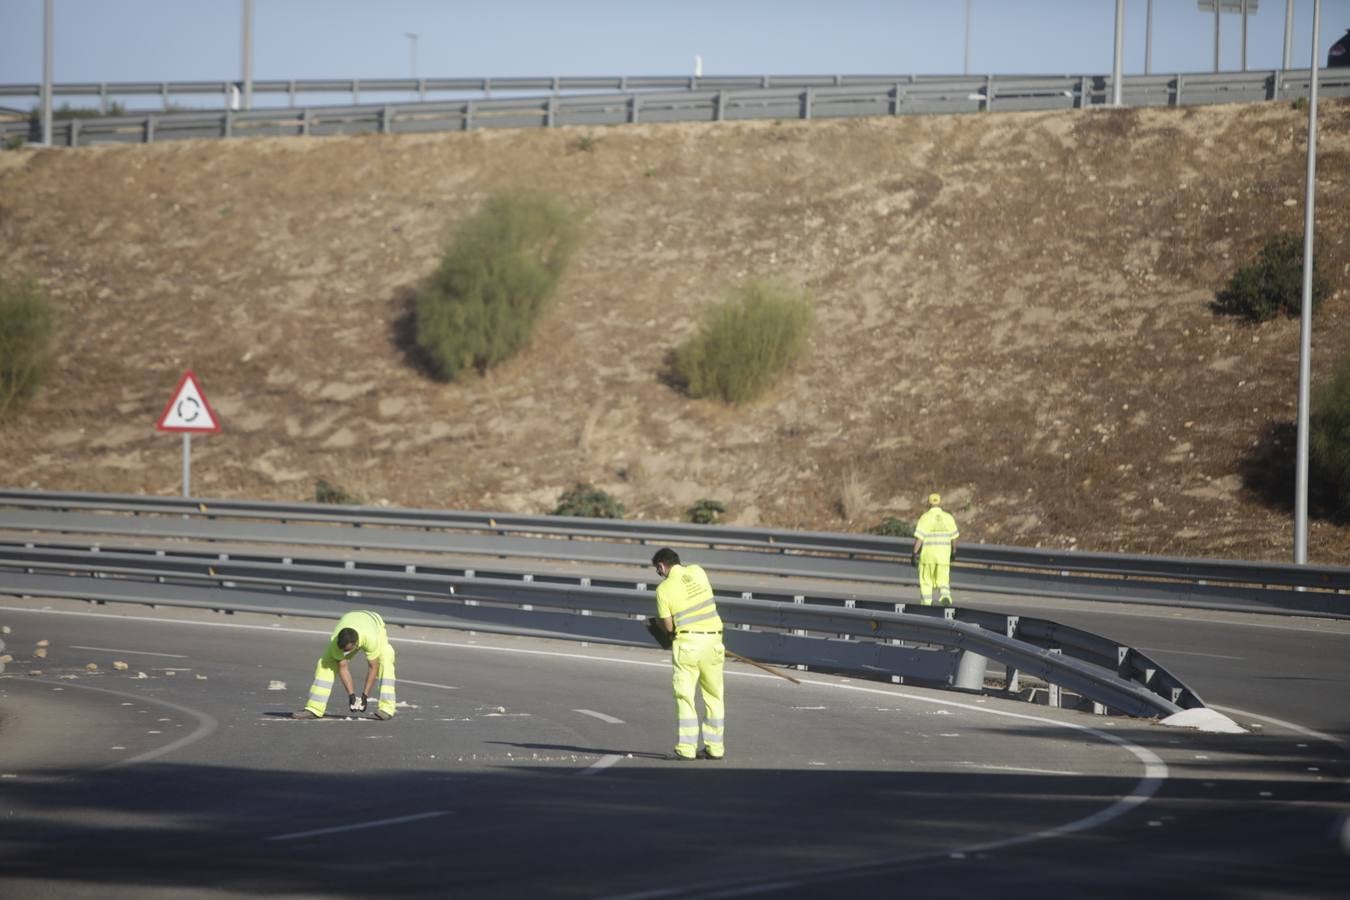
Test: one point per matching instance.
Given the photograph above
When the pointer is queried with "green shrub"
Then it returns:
(588, 500)
(744, 342)
(1329, 434)
(493, 283)
(1273, 283)
(66, 111)
(706, 512)
(892, 527)
(330, 493)
(27, 324)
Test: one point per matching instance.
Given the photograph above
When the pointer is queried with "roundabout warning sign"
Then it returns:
(188, 411)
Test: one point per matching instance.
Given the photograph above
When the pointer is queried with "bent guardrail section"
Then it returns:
(846, 637)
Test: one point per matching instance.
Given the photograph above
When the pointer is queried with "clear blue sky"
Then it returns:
(157, 40)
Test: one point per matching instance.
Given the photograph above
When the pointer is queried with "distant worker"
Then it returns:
(686, 610)
(935, 537)
(358, 630)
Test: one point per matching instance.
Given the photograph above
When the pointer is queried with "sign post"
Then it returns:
(188, 412)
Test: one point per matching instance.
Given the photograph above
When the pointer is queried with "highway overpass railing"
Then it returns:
(708, 100)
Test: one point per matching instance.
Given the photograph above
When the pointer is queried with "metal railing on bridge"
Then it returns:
(838, 97)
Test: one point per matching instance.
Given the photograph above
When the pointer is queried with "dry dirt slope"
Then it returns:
(1012, 309)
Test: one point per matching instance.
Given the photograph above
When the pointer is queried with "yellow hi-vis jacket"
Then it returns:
(371, 636)
(937, 529)
(687, 597)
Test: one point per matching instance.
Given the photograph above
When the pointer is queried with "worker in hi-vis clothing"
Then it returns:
(358, 630)
(686, 609)
(935, 537)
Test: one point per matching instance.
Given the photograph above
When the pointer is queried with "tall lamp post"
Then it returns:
(412, 50)
(1305, 317)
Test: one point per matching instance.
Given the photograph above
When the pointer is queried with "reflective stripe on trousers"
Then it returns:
(933, 574)
(325, 673)
(698, 660)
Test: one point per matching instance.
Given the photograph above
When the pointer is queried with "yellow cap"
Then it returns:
(934, 500)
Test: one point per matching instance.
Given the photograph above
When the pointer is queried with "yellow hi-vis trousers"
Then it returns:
(325, 673)
(937, 574)
(698, 660)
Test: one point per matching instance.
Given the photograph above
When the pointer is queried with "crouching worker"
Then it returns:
(357, 630)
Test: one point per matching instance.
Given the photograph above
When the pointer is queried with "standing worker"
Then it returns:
(935, 537)
(358, 630)
(686, 610)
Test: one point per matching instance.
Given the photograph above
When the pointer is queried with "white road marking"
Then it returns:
(1018, 769)
(1283, 724)
(444, 687)
(205, 725)
(601, 764)
(1189, 653)
(379, 823)
(601, 716)
(130, 652)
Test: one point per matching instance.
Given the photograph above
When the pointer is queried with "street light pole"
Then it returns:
(1118, 66)
(1305, 318)
(412, 49)
(1288, 33)
(246, 54)
(966, 68)
(47, 72)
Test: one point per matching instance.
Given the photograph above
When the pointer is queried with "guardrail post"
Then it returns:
(103, 98)
(468, 114)
(150, 128)
(808, 96)
(1082, 92)
(349, 565)
(551, 117)
(291, 91)
(74, 133)
(895, 99)
(356, 91)
(386, 119)
(1274, 83)
(164, 95)
(1177, 94)
(227, 126)
(633, 109)
(988, 93)
(305, 122)
(1054, 697)
(721, 106)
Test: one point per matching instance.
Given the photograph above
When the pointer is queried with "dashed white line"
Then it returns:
(128, 652)
(444, 687)
(599, 715)
(379, 823)
(601, 764)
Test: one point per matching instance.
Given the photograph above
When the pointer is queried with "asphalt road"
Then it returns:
(523, 767)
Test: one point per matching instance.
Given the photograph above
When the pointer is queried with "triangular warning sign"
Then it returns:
(188, 410)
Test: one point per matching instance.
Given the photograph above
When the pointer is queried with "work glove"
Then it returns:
(953, 553)
(914, 560)
(658, 631)
(356, 705)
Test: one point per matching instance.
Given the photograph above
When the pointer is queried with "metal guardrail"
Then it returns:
(1112, 676)
(847, 98)
(1215, 584)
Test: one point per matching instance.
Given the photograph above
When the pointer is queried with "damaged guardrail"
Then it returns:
(818, 631)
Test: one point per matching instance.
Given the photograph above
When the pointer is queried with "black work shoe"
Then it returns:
(303, 714)
(680, 757)
(704, 754)
(382, 715)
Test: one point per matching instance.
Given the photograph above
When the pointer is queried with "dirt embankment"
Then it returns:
(1012, 309)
